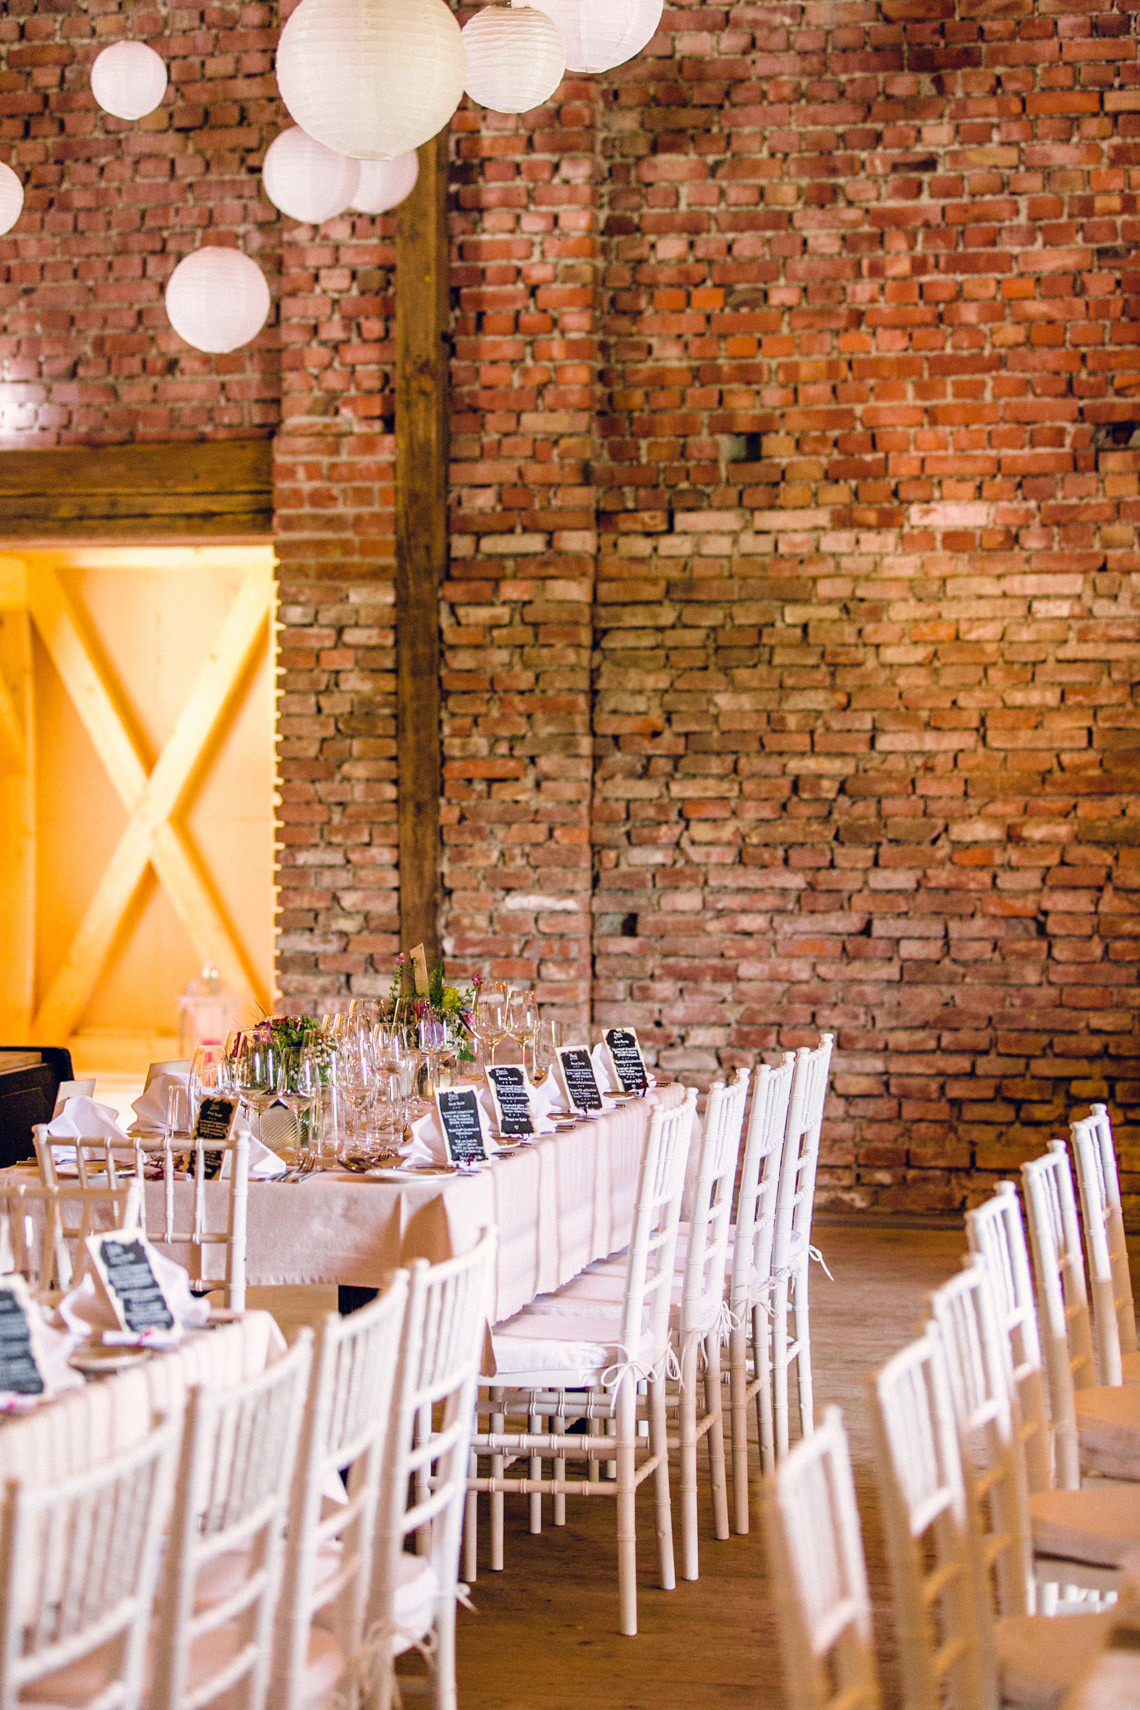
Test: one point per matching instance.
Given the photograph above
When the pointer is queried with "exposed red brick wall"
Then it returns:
(791, 634)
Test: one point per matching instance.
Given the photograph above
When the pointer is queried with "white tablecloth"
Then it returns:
(557, 1205)
(83, 1427)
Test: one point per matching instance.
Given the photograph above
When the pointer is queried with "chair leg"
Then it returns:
(471, 1524)
(534, 1423)
(442, 1674)
(594, 1468)
(560, 1473)
(659, 1446)
(626, 1446)
(687, 1421)
(738, 1404)
(498, 1467)
(714, 1407)
(762, 1366)
(803, 1355)
(780, 1367)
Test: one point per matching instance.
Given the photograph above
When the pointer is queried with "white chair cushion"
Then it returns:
(414, 1600)
(1098, 1525)
(1108, 1426)
(1042, 1657)
(607, 1288)
(568, 1350)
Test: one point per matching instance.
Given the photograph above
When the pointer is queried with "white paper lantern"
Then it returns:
(600, 34)
(515, 58)
(306, 180)
(128, 80)
(217, 299)
(384, 183)
(371, 78)
(11, 198)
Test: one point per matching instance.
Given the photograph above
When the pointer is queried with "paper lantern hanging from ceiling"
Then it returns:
(128, 80)
(515, 58)
(600, 34)
(11, 198)
(217, 299)
(306, 180)
(384, 183)
(371, 78)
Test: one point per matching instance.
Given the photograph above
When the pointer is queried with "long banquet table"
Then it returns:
(558, 1205)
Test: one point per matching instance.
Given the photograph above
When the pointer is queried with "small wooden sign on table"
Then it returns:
(579, 1081)
(21, 1357)
(123, 1263)
(511, 1092)
(624, 1055)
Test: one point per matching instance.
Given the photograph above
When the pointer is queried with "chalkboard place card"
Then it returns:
(122, 1260)
(21, 1368)
(624, 1054)
(461, 1119)
(579, 1080)
(511, 1092)
(215, 1121)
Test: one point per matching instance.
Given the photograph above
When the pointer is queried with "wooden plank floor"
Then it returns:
(545, 1633)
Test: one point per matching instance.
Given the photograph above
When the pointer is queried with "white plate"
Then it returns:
(398, 1175)
(95, 1360)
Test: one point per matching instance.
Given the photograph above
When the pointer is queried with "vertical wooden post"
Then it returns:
(423, 322)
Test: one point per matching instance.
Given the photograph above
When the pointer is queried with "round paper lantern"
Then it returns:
(515, 58)
(11, 198)
(306, 180)
(384, 183)
(600, 34)
(128, 80)
(371, 78)
(217, 299)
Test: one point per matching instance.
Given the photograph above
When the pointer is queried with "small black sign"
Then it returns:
(216, 1118)
(581, 1082)
(133, 1286)
(512, 1100)
(19, 1368)
(462, 1129)
(625, 1055)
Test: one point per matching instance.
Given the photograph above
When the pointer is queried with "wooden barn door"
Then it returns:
(136, 788)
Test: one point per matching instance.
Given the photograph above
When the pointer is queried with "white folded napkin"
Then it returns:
(549, 1098)
(86, 1310)
(150, 1108)
(82, 1119)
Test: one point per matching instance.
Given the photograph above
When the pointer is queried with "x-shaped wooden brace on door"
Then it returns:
(151, 836)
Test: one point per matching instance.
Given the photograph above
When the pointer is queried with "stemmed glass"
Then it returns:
(357, 1082)
(298, 1083)
(436, 1041)
(488, 1019)
(522, 1024)
(255, 1076)
(548, 1037)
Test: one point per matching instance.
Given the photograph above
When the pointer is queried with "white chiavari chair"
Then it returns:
(425, 1479)
(1096, 1429)
(213, 1636)
(31, 1235)
(699, 1315)
(819, 1575)
(79, 1560)
(330, 1548)
(1080, 1537)
(792, 1249)
(605, 1350)
(1110, 1282)
(750, 1277)
(946, 1568)
(187, 1222)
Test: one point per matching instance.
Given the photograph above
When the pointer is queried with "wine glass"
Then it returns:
(208, 1075)
(298, 1083)
(488, 1018)
(435, 1042)
(547, 1039)
(255, 1076)
(522, 1023)
(356, 1080)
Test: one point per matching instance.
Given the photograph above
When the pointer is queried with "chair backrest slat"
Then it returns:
(977, 1363)
(796, 1196)
(759, 1184)
(997, 1235)
(1114, 1313)
(653, 1243)
(815, 1551)
(702, 1287)
(1062, 1299)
